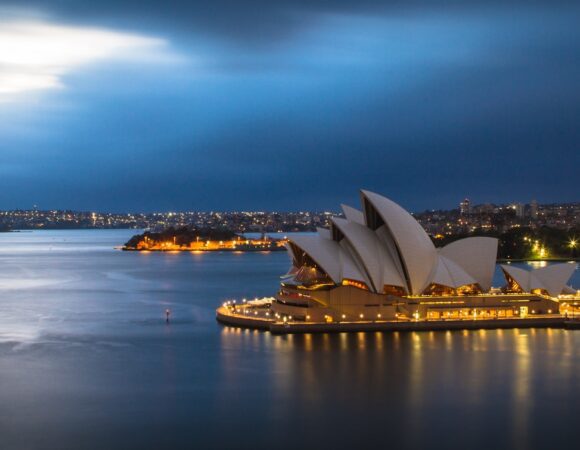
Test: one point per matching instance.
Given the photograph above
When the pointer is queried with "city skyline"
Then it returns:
(459, 205)
(466, 218)
(180, 106)
(465, 202)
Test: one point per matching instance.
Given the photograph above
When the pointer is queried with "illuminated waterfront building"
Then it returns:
(379, 263)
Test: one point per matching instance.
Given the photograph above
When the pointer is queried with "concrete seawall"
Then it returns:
(227, 318)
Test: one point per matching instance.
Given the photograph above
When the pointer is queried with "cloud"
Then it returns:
(289, 105)
(37, 55)
(253, 23)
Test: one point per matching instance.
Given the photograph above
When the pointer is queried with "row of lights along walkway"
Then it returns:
(257, 314)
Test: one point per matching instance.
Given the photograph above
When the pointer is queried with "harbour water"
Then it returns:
(88, 362)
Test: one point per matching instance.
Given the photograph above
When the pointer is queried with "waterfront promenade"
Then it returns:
(247, 316)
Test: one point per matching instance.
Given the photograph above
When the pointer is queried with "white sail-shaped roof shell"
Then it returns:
(417, 252)
(329, 256)
(554, 277)
(293, 269)
(551, 278)
(450, 274)
(290, 252)
(520, 276)
(352, 267)
(352, 214)
(387, 242)
(324, 232)
(476, 256)
(325, 252)
(375, 259)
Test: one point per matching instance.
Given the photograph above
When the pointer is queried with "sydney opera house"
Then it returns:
(379, 263)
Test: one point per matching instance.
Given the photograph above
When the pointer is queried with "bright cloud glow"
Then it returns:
(36, 55)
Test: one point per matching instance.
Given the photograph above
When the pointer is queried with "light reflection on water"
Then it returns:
(537, 264)
(86, 361)
(500, 387)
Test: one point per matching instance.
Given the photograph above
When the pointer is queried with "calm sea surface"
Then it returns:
(87, 362)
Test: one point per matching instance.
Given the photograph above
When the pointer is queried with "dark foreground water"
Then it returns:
(87, 362)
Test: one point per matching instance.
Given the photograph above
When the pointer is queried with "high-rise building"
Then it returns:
(465, 207)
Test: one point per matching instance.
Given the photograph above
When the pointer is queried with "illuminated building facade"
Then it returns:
(465, 207)
(379, 263)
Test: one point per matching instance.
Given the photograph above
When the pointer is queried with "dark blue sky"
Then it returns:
(148, 105)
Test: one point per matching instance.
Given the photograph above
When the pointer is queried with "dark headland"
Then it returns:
(200, 239)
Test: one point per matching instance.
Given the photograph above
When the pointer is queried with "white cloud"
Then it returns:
(36, 55)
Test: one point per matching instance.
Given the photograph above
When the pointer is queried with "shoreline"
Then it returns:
(557, 259)
(210, 250)
(228, 318)
(283, 249)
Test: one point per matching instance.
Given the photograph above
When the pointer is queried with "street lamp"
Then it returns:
(572, 244)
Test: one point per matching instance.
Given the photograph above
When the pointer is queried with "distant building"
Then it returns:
(465, 207)
(519, 209)
(534, 209)
(486, 208)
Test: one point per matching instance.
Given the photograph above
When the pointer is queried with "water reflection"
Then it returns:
(537, 264)
(522, 398)
(414, 381)
(86, 360)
